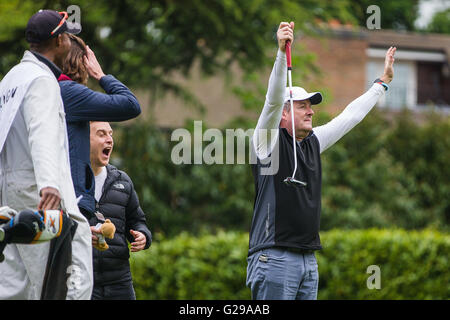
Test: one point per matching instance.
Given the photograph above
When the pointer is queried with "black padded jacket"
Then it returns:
(119, 203)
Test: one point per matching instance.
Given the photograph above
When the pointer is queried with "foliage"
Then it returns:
(182, 197)
(383, 175)
(187, 267)
(440, 22)
(413, 265)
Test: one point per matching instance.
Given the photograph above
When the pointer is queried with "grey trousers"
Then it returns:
(278, 274)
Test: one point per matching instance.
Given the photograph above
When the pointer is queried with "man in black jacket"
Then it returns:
(116, 200)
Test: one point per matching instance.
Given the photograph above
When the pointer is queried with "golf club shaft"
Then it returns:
(289, 66)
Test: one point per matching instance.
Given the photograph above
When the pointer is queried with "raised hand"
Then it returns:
(92, 66)
(388, 74)
(285, 32)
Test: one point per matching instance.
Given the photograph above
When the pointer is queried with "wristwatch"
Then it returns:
(379, 81)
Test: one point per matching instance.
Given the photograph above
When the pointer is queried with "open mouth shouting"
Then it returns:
(106, 152)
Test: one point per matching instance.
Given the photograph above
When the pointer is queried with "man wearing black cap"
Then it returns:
(35, 171)
(286, 219)
(46, 34)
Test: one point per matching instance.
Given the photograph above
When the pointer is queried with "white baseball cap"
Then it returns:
(298, 93)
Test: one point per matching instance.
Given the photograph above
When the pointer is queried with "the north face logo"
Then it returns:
(119, 186)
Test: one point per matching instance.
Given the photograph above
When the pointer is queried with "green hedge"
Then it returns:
(187, 267)
(413, 264)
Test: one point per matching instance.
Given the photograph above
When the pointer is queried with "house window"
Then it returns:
(420, 78)
(402, 90)
(434, 84)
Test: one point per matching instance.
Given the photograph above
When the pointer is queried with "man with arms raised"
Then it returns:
(285, 226)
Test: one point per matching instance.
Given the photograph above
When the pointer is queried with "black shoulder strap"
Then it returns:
(59, 260)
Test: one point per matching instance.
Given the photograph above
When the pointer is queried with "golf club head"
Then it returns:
(293, 182)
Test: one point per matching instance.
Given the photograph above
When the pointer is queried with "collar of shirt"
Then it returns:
(56, 71)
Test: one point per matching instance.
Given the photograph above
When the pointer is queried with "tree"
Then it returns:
(440, 22)
(145, 42)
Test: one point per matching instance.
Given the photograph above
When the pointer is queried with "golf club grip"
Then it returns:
(288, 54)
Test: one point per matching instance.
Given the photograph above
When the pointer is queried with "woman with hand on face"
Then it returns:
(82, 105)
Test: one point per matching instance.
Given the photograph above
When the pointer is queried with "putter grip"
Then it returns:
(288, 54)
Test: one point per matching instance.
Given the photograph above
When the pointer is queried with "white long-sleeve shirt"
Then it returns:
(327, 134)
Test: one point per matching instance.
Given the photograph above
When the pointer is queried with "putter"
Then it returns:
(291, 181)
